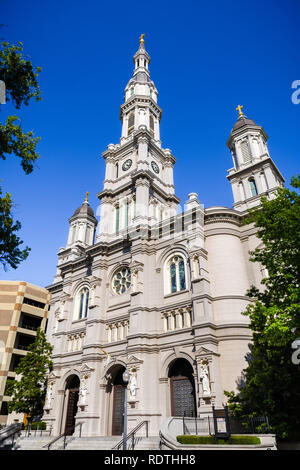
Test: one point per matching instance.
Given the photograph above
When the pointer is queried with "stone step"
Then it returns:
(86, 443)
(142, 443)
(33, 443)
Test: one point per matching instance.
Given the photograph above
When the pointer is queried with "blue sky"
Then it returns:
(206, 58)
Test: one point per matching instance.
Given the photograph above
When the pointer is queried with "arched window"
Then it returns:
(151, 122)
(242, 191)
(175, 274)
(81, 304)
(253, 187)
(117, 219)
(130, 123)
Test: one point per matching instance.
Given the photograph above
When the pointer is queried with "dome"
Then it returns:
(84, 210)
(242, 121)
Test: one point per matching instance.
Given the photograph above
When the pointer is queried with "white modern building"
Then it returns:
(155, 292)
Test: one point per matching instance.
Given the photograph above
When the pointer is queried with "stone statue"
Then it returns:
(205, 380)
(49, 395)
(132, 385)
(83, 391)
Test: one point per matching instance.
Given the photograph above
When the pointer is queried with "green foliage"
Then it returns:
(272, 381)
(21, 84)
(233, 440)
(38, 425)
(18, 74)
(28, 390)
(10, 253)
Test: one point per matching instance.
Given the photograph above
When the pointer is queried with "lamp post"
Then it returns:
(125, 377)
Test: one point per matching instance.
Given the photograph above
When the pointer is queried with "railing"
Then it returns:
(64, 436)
(255, 425)
(9, 432)
(36, 432)
(196, 425)
(132, 434)
(206, 425)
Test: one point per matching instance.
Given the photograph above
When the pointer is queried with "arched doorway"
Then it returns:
(72, 394)
(182, 385)
(118, 394)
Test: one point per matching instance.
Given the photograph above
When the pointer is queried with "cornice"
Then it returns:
(222, 215)
(140, 99)
(251, 167)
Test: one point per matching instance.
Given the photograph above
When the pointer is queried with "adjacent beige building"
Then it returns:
(23, 308)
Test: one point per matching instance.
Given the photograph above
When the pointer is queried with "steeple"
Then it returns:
(138, 186)
(82, 225)
(140, 107)
(254, 172)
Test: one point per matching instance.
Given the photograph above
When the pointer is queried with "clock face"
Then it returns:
(126, 165)
(155, 167)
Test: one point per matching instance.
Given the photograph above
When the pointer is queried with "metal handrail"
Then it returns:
(13, 429)
(132, 434)
(64, 435)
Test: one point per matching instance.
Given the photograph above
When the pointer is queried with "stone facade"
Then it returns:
(155, 292)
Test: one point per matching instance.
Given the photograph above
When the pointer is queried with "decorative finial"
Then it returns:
(239, 109)
(142, 42)
(86, 196)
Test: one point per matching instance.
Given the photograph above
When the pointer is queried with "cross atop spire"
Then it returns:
(142, 42)
(239, 109)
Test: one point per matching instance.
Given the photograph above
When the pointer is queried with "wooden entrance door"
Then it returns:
(72, 390)
(118, 410)
(182, 397)
(182, 386)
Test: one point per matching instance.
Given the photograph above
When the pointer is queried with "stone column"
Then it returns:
(142, 200)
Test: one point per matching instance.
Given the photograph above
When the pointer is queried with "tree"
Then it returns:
(271, 383)
(20, 78)
(10, 253)
(28, 391)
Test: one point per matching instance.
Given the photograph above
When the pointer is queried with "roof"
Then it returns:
(84, 210)
(242, 121)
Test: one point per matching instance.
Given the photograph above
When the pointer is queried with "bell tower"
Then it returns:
(138, 186)
(254, 173)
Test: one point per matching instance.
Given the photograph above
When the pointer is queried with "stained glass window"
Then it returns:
(177, 274)
(173, 277)
(82, 303)
(117, 218)
(181, 275)
(121, 281)
(253, 187)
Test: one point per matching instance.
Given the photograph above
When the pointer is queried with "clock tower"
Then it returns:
(138, 187)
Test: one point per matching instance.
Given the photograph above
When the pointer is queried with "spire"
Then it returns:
(141, 60)
(82, 224)
(140, 107)
(254, 173)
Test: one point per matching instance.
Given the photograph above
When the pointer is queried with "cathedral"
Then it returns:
(152, 291)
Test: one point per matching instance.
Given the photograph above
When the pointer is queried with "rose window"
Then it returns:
(121, 281)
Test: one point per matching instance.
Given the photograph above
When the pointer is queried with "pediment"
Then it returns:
(53, 376)
(134, 360)
(205, 352)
